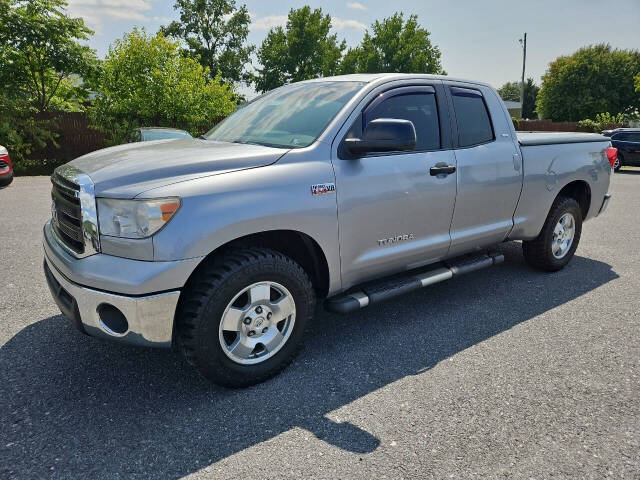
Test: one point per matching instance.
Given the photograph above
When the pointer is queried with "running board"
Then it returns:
(388, 288)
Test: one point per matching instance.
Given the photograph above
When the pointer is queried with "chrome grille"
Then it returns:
(67, 213)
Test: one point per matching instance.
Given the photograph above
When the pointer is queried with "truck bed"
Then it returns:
(554, 138)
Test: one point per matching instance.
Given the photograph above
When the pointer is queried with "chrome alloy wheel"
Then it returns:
(257, 323)
(563, 235)
(616, 164)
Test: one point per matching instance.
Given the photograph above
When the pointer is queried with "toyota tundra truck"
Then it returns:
(350, 189)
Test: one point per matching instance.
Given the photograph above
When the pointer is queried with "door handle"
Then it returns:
(442, 169)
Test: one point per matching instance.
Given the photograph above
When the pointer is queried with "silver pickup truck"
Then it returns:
(351, 189)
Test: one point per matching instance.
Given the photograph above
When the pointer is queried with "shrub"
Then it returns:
(147, 81)
(603, 121)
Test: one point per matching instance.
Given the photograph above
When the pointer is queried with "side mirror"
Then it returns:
(383, 135)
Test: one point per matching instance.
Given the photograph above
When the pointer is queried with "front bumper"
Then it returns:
(148, 320)
(116, 298)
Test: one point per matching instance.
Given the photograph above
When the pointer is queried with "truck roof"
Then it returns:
(386, 77)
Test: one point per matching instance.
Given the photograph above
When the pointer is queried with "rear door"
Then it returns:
(392, 213)
(489, 168)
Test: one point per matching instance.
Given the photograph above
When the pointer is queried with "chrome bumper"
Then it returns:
(116, 298)
(148, 320)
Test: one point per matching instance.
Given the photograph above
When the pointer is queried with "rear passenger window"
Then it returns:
(472, 117)
(420, 109)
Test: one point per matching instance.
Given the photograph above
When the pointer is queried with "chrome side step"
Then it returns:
(388, 288)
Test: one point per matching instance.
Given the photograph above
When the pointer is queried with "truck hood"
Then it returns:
(129, 170)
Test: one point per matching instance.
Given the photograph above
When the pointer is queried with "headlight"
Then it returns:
(135, 218)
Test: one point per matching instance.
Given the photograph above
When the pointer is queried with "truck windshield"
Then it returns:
(289, 117)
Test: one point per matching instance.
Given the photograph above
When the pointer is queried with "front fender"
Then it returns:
(218, 209)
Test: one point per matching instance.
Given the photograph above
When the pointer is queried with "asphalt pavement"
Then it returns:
(502, 373)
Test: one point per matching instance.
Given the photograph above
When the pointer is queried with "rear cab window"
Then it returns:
(472, 117)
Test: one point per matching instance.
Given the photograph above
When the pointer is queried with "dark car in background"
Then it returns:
(6, 168)
(627, 141)
(145, 134)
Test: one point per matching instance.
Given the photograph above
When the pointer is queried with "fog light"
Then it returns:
(112, 320)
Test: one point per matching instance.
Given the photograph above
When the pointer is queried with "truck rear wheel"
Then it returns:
(242, 319)
(559, 238)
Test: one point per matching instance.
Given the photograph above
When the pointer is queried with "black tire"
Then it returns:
(206, 297)
(618, 164)
(538, 252)
(4, 182)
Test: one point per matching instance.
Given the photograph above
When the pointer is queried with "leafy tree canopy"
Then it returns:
(215, 32)
(394, 45)
(146, 81)
(42, 49)
(41, 60)
(510, 92)
(530, 96)
(593, 80)
(303, 49)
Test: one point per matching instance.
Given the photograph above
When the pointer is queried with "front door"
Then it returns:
(393, 214)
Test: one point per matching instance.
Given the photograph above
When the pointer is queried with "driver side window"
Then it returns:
(419, 108)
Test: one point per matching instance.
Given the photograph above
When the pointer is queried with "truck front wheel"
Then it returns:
(559, 238)
(243, 317)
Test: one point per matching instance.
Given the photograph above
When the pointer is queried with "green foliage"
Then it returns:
(510, 92)
(146, 81)
(215, 33)
(394, 46)
(516, 122)
(303, 49)
(41, 56)
(603, 121)
(637, 80)
(595, 79)
(44, 47)
(530, 96)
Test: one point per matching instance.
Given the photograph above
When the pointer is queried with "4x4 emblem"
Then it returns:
(323, 188)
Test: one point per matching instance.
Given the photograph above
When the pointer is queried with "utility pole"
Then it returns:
(523, 42)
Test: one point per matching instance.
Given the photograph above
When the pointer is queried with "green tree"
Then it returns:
(510, 92)
(303, 49)
(41, 57)
(146, 81)
(394, 46)
(530, 96)
(45, 48)
(215, 32)
(594, 79)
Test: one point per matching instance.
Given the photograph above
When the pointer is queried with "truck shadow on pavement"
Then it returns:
(73, 406)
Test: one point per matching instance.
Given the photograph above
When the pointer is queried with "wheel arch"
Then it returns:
(580, 191)
(295, 244)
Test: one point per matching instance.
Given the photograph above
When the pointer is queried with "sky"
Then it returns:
(478, 39)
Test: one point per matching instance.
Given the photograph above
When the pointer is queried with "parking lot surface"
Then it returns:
(506, 372)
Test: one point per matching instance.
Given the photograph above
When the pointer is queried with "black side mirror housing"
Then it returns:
(383, 135)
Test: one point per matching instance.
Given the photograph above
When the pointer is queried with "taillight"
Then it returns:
(612, 155)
